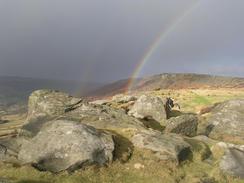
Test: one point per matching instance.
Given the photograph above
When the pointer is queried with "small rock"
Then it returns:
(139, 166)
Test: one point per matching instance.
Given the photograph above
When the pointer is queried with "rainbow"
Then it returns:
(156, 43)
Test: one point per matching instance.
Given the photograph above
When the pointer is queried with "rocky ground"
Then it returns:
(126, 138)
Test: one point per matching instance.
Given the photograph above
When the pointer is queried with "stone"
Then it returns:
(66, 145)
(184, 125)
(9, 148)
(105, 117)
(232, 162)
(149, 107)
(139, 166)
(167, 147)
(46, 105)
(226, 122)
(43, 103)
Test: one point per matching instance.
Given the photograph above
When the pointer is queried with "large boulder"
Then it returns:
(43, 103)
(148, 106)
(67, 145)
(184, 124)
(167, 147)
(226, 121)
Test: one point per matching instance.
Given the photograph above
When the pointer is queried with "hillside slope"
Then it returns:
(172, 81)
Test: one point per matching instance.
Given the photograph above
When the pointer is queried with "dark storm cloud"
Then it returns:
(209, 40)
(104, 40)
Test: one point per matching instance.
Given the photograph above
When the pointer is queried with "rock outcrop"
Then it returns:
(56, 135)
(226, 122)
(167, 147)
(147, 106)
(64, 133)
(44, 103)
(105, 117)
(184, 124)
(66, 145)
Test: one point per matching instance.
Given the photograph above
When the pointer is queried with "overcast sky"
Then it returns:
(103, 40)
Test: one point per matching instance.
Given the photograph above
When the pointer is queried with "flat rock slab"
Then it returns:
(169, 147)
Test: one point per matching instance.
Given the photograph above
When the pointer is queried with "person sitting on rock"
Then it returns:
(169, 105)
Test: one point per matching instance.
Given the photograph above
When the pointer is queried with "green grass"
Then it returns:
(201, 100)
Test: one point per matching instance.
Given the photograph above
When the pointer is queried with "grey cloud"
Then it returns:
(103, 40)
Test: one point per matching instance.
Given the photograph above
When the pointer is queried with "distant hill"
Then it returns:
(172, 81)
(14, 91)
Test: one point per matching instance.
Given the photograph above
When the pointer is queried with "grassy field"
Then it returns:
(194, 170)
(194, 100)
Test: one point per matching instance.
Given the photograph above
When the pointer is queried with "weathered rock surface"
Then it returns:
(226, 122)
(147, 106)
(168, 147)
(98, 116)
(67, 145)
(44, 103)
(184, 124)
(9, 148)
(233, 162)
(105, 117)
